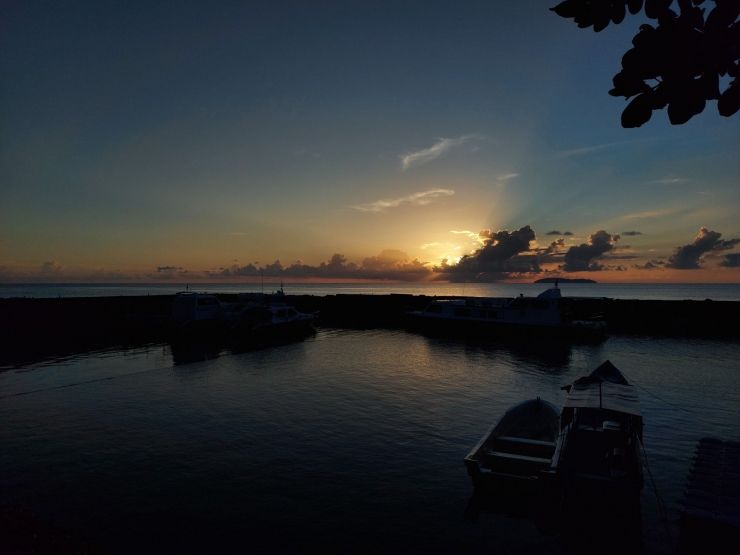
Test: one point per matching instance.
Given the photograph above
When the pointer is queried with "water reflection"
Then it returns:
(584, 526)
(195, 349)
(603, 526)
(551, 357)
(511, 504)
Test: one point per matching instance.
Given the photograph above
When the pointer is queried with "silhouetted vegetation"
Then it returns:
(677, 63)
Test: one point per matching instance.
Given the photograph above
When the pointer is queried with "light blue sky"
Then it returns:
(189, 135)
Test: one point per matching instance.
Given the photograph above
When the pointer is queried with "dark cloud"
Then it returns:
(388, 265)
(554, 246)
(731, 260)
(387, 259)
(237, 270)
(689, 256)
(631, 233)
(650, 265)
(168, 268)
(502, 253)
(552, 253)
(583, 258)
(619, 256)
(51, 268)
(555, 232)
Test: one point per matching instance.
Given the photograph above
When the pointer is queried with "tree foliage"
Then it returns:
(678, 62)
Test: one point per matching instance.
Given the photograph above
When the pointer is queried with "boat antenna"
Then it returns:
(556, 282)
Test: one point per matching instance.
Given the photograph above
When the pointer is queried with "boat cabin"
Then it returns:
(547, 308)
(191, 306)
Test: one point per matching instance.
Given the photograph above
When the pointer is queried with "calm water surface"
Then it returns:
(346, 441)
(672, 291)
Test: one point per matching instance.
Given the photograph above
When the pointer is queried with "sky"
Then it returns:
(411, 141)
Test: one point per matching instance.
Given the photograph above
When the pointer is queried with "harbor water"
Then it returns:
(347, 441)
(660, 291)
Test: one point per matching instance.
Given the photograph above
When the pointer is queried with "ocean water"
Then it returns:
(672, 291)
(349, 441)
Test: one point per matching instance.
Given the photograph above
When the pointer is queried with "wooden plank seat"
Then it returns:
(527, 447)
(512, 463)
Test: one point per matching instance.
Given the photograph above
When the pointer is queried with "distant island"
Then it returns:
(565, 280)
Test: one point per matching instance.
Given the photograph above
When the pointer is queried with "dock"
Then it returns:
(710, 512)
(32, 328)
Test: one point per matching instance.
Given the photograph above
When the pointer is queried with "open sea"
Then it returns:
(672, 291)
(348, 441)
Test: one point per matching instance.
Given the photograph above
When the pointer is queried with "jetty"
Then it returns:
(36, 327)
(710, 511)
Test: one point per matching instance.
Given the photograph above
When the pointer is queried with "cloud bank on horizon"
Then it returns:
(502, 255)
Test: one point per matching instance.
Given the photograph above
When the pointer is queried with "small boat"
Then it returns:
(598, 454)
(189, 305)
(259, 320)
(549, 314)
(195, 309)
(517, 449)
(260, 316)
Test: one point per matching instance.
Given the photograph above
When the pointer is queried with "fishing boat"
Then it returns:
(192, 309)
(517, 448)
(549, 313)
(598, 454)
(262, 319)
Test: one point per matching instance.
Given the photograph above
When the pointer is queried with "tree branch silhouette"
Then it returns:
(677, 63)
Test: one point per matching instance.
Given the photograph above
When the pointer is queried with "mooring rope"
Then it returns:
(662, 510)
(78, 383)
(659, 398)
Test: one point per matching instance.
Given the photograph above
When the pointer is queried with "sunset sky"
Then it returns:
(183, 140)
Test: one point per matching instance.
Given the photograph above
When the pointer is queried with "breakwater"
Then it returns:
(35, 328)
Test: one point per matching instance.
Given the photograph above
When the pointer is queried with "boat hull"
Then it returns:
(508, 458)
(493, 330)
(272, 332)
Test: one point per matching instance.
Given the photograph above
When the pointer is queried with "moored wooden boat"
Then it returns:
(598, 453)
(517, 449)
(548, 315)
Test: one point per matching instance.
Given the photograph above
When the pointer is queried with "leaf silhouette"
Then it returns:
(676, 62)
(729, 102)
(638, 111)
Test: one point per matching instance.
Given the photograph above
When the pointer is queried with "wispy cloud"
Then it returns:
(641, 215)
(434, 151)
(425, 245)
(508, 176)
(667, 181)
(594, 148)
(417, 199)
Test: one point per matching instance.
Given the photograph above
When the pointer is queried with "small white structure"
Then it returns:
(548, 310)
(195, 307)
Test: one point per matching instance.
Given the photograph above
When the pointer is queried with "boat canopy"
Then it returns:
(606, 388)
(552, 293)
(607, 395)
(607, 372)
